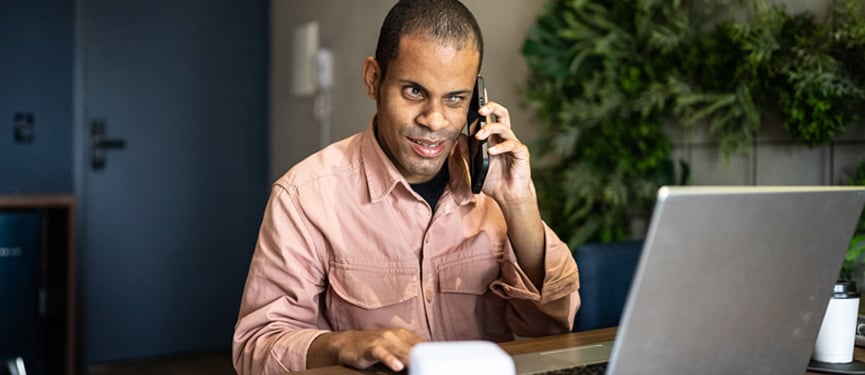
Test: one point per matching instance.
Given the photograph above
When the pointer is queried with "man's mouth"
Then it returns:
(426, 144)
(426, 148)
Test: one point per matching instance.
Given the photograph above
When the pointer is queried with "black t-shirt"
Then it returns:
(432, 190)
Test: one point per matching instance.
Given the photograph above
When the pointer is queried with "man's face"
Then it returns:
(422, 103)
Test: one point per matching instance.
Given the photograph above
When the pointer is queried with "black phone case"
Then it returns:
(479, 158)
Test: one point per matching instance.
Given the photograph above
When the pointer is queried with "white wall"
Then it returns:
(350, 29)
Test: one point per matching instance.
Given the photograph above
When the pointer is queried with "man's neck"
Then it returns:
(433, 189)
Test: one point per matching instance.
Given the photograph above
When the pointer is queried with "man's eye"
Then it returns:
(454, 100)
(413, 92)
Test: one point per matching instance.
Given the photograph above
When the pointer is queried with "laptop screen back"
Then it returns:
(734, 280)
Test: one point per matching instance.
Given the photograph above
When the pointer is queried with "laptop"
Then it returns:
(731, 280)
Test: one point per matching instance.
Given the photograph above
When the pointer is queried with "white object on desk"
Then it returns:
(459, 357)
(838, 331)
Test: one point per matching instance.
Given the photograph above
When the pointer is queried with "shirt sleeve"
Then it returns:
(548, 311)
(279, 312)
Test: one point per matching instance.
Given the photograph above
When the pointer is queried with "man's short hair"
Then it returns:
(447, 21)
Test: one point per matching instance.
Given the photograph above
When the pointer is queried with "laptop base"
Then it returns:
(570, 360)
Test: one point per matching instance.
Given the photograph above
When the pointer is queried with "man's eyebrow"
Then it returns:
(459, 92)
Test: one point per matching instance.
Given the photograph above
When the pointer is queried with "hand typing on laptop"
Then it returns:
(362, 349)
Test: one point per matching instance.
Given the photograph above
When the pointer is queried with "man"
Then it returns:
(376, 242)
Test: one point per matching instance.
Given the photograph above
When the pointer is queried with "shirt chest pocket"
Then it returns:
(361, 297)
(466, 302)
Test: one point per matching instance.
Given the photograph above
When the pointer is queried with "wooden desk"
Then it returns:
(522, 347)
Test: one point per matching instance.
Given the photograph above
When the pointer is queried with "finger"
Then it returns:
(501, 113)
(504, 147)
(503, 131)
(387, 358)
(403, 353)
(356, 361)
(409, 339)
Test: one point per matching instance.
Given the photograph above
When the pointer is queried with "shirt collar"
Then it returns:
(382, 176)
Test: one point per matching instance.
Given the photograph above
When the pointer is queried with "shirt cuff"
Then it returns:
(560, 274)
(290, 351)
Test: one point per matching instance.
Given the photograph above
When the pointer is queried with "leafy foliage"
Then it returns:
(857, 244)
(607, 77)
(815, 93)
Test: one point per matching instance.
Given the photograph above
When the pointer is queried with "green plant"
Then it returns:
(857, 244)
(607, 77)
(776, 66)
(797, 65)
(601, 77)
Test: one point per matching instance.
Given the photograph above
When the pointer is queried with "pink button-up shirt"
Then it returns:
(345, 243)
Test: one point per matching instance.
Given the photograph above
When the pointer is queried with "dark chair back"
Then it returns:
(606, 271)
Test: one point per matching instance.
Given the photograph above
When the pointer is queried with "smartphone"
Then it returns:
(479, 159)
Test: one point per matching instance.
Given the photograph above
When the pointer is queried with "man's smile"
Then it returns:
(428, 148)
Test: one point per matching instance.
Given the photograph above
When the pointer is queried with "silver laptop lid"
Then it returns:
(734, 280)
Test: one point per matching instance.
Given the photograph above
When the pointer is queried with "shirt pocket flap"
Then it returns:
(469, 276)
(373, 288)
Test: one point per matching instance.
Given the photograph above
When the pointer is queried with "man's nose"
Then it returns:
(433, 117)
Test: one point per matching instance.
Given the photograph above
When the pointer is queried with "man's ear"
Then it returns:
(371, 77)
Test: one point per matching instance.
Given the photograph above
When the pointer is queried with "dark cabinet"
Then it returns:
(37, 282)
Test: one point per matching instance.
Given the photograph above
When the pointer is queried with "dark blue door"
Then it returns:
(169, 222)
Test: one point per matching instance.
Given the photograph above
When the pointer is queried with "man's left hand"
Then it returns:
(509, 180)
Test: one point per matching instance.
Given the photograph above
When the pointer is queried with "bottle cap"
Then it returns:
(845, 289)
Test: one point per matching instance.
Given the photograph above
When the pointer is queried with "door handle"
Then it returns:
(100, 143)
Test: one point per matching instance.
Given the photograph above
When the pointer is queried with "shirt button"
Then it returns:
(429, 296)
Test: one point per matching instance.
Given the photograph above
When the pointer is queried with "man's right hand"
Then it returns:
(363, 348)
